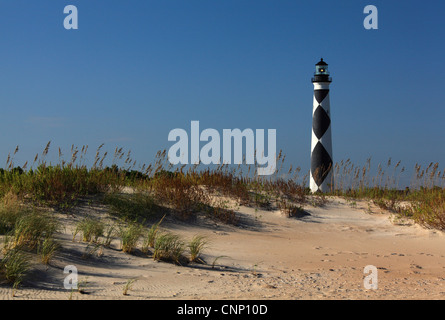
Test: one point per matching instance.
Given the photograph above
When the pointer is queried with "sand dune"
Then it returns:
(320, 255)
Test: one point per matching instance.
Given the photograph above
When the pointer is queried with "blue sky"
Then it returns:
(136, 69)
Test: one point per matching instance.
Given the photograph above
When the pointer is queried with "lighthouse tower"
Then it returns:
(321, 147)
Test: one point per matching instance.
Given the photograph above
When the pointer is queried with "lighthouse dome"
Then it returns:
(321, 63)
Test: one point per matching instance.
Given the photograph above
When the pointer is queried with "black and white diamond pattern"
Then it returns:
(321, 155)
(320, 95)
(320, 122)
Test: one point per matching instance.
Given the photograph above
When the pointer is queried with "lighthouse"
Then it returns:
(321, 179)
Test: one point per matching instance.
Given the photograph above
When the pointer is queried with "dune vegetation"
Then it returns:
(30, 193)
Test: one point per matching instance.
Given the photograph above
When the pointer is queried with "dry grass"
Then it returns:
(187, 191)
(184, 193)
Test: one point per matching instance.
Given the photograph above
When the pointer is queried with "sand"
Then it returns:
(321, 255)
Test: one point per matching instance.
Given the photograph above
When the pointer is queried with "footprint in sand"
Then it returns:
(397, 254)
(384, 269)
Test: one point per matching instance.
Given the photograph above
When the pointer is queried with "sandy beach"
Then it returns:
(320, 255)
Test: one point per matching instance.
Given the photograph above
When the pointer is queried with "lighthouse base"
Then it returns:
(326, 186)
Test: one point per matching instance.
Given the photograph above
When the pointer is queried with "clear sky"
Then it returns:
(136, 69)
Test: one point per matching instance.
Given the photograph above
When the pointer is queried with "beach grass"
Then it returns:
(196, 247)
(169, 247)
(187, 191)
(90, 228)
(30, 193)
(130, 235)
